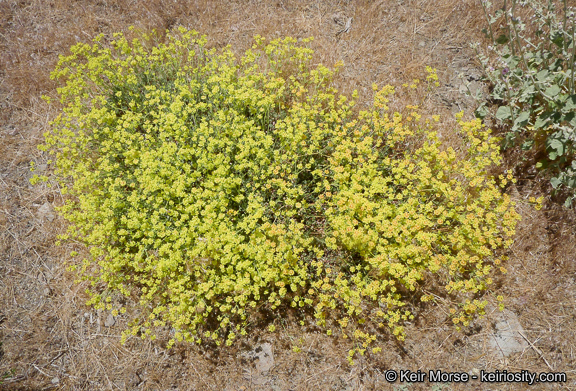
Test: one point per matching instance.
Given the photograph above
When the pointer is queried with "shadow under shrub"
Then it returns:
(208, 186)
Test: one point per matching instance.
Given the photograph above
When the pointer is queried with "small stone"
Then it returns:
(263, 359)
(110, 321)
(47, 291)
(55, 380)
(507, 338)
(46, 211)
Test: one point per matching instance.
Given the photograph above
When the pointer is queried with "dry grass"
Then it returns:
(50, 340)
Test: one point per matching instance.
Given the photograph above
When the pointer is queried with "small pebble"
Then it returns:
(110, 321)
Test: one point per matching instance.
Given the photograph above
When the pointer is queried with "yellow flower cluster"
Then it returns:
(208, 187)
(537, 202)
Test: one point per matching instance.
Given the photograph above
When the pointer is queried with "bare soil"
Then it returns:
(49, 339)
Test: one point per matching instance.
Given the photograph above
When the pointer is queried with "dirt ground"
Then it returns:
(49, 339)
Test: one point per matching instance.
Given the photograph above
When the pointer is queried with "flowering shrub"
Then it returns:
(533, 82)
(209, 187)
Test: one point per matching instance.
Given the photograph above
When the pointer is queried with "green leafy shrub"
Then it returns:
(209, 187)
(531, 68)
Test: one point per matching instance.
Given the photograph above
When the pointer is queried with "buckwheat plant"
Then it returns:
(531, 67)
(209, 187)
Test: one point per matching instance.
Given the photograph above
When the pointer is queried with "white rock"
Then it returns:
(264, 361)
(506, 338)
(110, 321)
(46, 211)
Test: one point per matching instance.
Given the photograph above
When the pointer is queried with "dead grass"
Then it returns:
(50, 340)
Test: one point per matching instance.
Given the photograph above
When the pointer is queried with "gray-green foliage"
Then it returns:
(531, 68)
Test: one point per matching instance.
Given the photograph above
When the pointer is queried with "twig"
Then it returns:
(41, 371)
(535, 349)
(346, 27)
(199, 375)
(319, 373)
(62, 352)
(13, 379)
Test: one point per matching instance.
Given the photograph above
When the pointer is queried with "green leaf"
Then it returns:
(561, 99)
(558, 39)
(513, 64)
(555, 182)
(570, 103)
(553, 90)
(496, 95)
(502, 39)
(569, 117)
(509, 140)
(527, 91)
(557, 148)
(542, 75)
(481, 112)
(527, 145)
(522, 119)
(503, 113)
